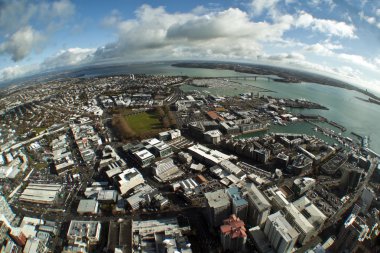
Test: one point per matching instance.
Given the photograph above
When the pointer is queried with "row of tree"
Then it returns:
(167, 117)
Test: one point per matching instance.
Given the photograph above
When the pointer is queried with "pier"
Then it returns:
(240, 77)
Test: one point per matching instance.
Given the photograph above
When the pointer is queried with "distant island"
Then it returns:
(285, 75)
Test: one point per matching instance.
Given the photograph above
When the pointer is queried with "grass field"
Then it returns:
(143, 122)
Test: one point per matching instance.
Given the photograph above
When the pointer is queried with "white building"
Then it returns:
(164, 235)
(258, 206)
(158, 148)
(282, 236)
(144, 157)
(169, 135)
(213, 136)
(207, 156)
(88, 206)
(166, 170)
(129, 179)
(299, 222)
(5, 210)
(34, 245)
(83, 234)
(310, 211)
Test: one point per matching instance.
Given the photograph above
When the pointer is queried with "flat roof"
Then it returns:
(217, 198)
(40, 193)
(144, 154)
(257, 197)
(88, 206)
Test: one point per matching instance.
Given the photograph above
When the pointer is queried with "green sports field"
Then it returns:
(143, 122)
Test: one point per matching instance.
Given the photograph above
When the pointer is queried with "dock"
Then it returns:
(333, 123)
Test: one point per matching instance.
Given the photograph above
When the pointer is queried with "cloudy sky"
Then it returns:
(338, 37)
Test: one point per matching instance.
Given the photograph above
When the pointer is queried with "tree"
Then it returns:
(122, 128)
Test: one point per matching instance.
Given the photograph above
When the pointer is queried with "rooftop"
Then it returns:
(217, 198)
(88, 206)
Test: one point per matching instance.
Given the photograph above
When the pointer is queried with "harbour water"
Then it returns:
(344, 107)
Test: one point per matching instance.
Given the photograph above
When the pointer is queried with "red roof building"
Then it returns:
(233, 234)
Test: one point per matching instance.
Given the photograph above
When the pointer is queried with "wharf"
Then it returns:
(333, 123)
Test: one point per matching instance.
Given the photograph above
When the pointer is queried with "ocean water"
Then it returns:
(344, 107)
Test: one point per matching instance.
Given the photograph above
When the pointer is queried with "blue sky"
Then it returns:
(340, 38)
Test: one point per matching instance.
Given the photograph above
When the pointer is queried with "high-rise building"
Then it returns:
(5, 211)
(260, 240)
(34, 245)
(353, 231)
(239, 204)
(280, 233)
(258, 206)
(218, 207)
(233, 234)
(310, 211)
(366, 199)
(3, 231)
(351, 177)
(18, 236)
(299, 223)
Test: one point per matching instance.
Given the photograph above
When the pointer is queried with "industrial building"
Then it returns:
(41, 193)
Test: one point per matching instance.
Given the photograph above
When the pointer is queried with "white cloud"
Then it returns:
(358, 60)
(327, 26)
(260, 6)
(378, 12)
(323, 49)
(64, 58)
(368, 19)
(319, 49)
(69, 57)
(113, 19)
(16, 71)
(156, 33)
(18, 38)
(22, 43)
(62, 8)
(286, 56)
